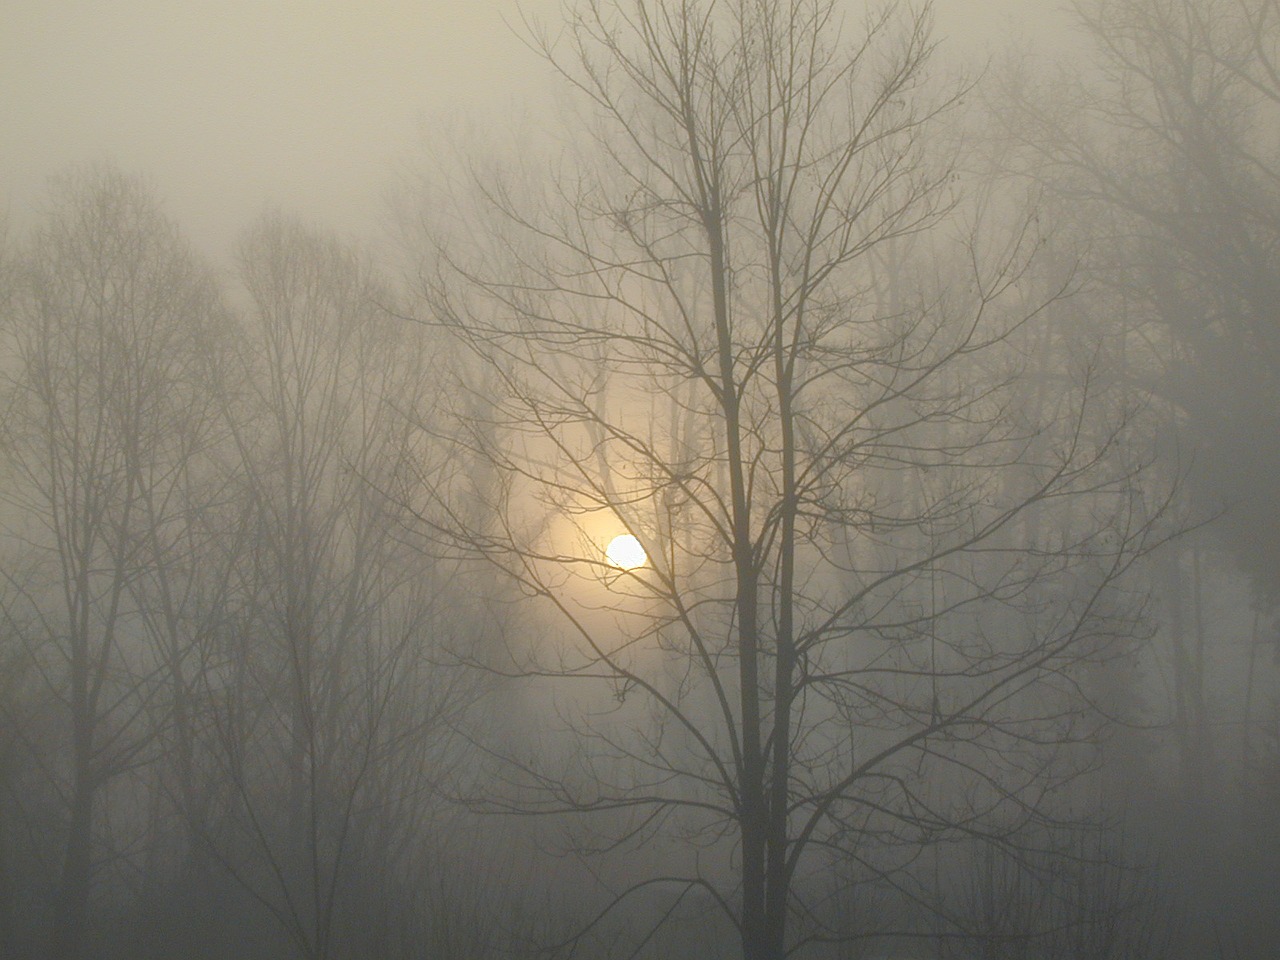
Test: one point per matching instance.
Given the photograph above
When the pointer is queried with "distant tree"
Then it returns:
(329, 721)
(1168, 161)
(109, 310)
(734, 327)
(1156, 148)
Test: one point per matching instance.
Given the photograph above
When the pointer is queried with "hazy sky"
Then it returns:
(230, 105)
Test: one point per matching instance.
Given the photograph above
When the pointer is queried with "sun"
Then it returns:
(625, 552)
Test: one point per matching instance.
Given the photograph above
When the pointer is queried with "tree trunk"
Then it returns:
(72, 907)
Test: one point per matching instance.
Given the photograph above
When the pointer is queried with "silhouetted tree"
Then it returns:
(734, 327)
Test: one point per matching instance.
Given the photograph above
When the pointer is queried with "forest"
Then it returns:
(810, 500)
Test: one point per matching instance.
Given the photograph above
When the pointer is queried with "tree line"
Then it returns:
(944, 412)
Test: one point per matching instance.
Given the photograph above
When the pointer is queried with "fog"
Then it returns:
(232, 106)
(309, 105)
(925, 354)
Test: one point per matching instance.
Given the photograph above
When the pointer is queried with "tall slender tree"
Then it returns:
(327, 713)
(110, 309)
(732, 326)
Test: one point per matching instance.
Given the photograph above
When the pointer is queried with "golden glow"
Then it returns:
(625, 552)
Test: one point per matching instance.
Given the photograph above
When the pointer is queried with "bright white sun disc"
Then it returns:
(624, 551)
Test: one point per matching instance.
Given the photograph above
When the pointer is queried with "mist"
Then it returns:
(922, 357)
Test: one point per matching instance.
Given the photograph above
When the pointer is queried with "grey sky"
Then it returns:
(229, 105)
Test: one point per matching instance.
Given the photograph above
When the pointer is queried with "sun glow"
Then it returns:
(625, 552)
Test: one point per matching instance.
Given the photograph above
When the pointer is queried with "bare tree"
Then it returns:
(1165, 157)
(1162, 155)
(734, 328)
(1197, 90)
(109, 313)
(327, 713)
